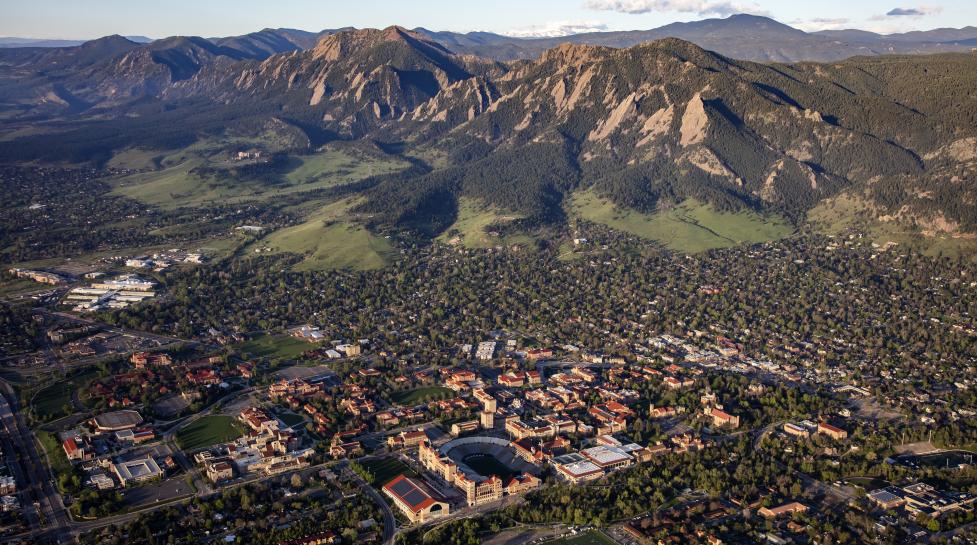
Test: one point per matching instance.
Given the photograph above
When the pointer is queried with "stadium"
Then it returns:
(484, 468)
(486, 456)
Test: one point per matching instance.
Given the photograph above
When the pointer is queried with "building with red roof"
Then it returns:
(414, 500)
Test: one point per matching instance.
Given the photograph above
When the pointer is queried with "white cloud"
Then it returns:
(821, 23)
(555, 29)
(721, 8)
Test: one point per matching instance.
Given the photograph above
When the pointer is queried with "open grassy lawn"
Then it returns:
(592, 537)
(385, 469)
(487, 465)
(134, 159)
(330, 239)
(471, 226)
(175, 184)
(327, 246)
(52, 446)
(274, 347)
(208, 431)
(290, 419)
(50, 401)
(333, 166)
(419, 395)
(170, 187)
(689, 227)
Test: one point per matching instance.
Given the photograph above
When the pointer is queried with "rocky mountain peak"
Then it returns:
(569, 54)
(336, 46)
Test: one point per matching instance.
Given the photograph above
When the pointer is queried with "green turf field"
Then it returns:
(135, 159)
(420, 395)
(208, 431)
(385, 469)
(338, 166)
(281, 347)
(689, 227)
(487, 465)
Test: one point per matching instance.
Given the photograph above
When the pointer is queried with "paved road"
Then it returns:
(389, 522)
(163, 339)
(42, 504)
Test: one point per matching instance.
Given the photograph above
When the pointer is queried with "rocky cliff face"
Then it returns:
(645, 125)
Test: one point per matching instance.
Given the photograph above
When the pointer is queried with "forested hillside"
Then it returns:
(648, 126)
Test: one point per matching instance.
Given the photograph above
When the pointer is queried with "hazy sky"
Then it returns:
(82, 19)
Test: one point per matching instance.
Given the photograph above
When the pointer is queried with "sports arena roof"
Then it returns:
(118, 420)
(604, 455)
(409, 493)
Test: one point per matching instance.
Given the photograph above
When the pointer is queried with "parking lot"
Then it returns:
(162, 491)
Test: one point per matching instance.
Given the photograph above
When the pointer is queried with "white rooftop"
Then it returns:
(606, 455)
(579, 469)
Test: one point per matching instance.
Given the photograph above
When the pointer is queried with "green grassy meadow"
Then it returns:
(330, 239)
(274, 347)
(49, 402)
(470, 228)
(419, 395)
(176, 184)
(689, 227)
(208, 431)
(846, 213)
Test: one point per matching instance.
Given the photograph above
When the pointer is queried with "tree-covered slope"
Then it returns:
(647, 126)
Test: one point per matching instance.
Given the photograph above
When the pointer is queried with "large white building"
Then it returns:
(119, 292)
(137, 471)
(485, 350)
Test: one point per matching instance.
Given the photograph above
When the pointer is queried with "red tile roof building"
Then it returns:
(413, 499)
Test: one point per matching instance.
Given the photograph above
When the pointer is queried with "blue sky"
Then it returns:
(82, 19)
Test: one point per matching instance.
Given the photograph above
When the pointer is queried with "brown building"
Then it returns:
(832, 431)
(785, 509)
(722, 419)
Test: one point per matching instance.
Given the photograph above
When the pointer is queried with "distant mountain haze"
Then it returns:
(646, 126)
(43, 42)
(747, 37)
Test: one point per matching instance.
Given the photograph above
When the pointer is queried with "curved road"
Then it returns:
(389, 522)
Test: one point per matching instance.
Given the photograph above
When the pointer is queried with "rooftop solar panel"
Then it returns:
(415, 497)
(409, 492)
(402, 487)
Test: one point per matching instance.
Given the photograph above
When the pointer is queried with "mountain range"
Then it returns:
(741, 36)
(746, 37)
(647, 126)
(12, 41)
